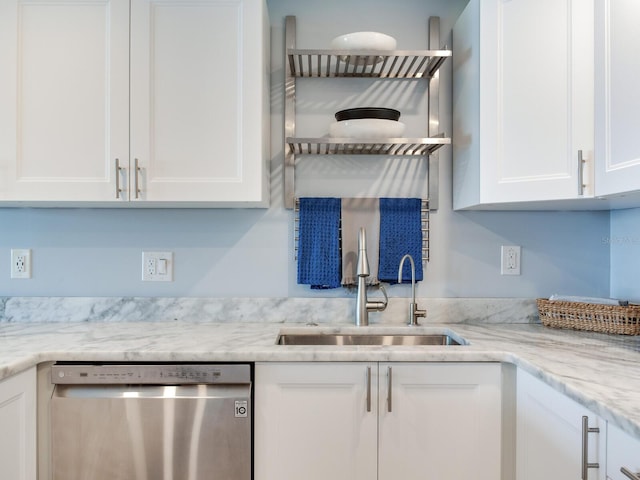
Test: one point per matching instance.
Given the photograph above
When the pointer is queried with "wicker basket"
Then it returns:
(590, 316)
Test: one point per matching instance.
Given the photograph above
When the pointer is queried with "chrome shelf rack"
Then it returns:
(397, 64)
(366, 63)
(354, 146)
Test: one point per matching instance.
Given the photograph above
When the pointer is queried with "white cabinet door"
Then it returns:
(550, 433)
(199, 100)
(18, 426)
(64, 94)
(523, 101)
(312, 421)
(197, 122)
(623, 450)
(617, 96)
(440, 421)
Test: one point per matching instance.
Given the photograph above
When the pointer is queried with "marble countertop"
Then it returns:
(602, 372)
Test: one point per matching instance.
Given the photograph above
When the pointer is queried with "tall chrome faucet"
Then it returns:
(414, 312)
(363, 305)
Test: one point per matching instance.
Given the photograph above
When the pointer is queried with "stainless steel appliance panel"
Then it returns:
(151, 432)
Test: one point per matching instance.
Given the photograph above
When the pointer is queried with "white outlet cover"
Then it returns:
(510, 259)
(20, 263)
(157, 266)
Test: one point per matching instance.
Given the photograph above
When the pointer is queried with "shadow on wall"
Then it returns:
(87, 252)
(96, 228)
(562, 252)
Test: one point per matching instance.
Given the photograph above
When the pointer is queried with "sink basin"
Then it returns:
(367, 339)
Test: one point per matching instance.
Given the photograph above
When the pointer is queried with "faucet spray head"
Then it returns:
(362, 269)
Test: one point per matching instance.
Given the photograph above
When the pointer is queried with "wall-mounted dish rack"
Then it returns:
(396, 64)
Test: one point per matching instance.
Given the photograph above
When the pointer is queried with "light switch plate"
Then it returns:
(157, 266)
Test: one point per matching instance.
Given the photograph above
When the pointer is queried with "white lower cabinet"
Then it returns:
(311, 421)
(550, 434)
(18, 426)
(623, 451)
(439, 421)
(378, 420)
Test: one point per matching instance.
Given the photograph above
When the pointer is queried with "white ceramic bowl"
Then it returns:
(366, 128)
(364, 41)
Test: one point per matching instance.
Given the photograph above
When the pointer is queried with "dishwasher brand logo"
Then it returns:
(241, 408)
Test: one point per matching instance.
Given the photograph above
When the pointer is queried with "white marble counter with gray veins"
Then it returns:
(599, 371)
(256, 310)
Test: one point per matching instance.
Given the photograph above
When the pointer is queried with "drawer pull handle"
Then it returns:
(137, 169)
(581, 162)
(368, 389)
(586, 430)
(118, 170)
(389, 384)
(631, 475)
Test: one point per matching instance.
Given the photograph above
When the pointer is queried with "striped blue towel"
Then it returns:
(319, 242)
(400, 233)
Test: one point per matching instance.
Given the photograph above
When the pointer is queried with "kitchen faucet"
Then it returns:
(363, 305)
(414, 312)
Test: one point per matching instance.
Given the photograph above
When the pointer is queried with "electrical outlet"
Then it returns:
(20, 263)
(157, 266)
(510, 262)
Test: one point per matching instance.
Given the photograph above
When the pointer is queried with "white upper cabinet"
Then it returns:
(64, 94)
(135, 103)
(199, 100)
(523, 107)
(617, 96)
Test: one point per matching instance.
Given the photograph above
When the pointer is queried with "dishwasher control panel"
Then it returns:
(161, 374)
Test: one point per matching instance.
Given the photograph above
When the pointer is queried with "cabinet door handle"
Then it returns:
(137, 171)
(368, 389)
(389, 392)
(581, 162)
(630, 474)
(118, 169)
(586, 430)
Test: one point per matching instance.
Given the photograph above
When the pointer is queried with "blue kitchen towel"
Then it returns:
(319, 242)
(400, 233)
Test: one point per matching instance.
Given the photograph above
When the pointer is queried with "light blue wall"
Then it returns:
(625, 254)
(97, 252)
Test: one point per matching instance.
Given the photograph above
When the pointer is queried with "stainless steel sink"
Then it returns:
(367, 339)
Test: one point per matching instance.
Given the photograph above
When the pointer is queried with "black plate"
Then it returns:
(368, 112)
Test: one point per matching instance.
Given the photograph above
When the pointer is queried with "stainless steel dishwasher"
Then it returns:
(151, 422)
